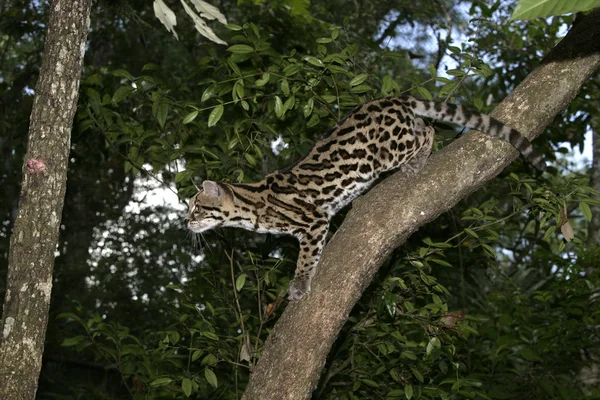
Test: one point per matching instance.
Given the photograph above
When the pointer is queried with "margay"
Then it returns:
(378, 136)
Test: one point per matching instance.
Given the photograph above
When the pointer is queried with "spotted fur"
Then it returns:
(378, 136)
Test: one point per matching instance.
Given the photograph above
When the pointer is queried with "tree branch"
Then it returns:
(385, 217)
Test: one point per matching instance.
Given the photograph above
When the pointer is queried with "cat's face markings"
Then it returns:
(206, 208)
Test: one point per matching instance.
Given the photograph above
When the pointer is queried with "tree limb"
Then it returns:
(384, 218)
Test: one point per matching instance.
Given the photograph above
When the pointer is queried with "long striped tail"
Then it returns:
(475, 120)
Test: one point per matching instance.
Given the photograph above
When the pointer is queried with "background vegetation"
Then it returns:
(488, 301)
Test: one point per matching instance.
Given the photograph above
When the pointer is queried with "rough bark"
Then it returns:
(35, 234)
(382, 220)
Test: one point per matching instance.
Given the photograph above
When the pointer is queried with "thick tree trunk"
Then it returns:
(35, 235)
(383, 219)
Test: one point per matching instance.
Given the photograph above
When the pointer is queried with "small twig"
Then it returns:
(237, 302)
(260, 312)
(330, 374)
(337, 97)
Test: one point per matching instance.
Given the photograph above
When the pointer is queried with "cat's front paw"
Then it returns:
(298, 288)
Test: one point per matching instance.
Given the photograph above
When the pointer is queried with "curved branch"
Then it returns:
(297, 348)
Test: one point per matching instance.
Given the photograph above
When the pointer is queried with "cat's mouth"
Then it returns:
(199, 227)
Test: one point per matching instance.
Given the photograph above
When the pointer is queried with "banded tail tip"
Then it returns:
(537, 161)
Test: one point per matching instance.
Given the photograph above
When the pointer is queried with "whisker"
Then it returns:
(208, 248)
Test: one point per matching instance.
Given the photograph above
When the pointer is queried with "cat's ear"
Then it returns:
(211, 189)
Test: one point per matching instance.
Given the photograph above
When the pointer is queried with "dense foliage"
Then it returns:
(488, 301)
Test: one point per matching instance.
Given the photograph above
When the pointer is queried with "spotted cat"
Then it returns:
(377, 136)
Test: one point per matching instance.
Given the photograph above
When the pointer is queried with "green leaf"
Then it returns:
(360, 89)
(263, 79)
(255, 30)
(351, 50)
(289, 103)
(478, 103)
(417, 374)
(150, 67)
(233, 27)
(186, 386)
(489, 249)
(240, 281)
(530, 354)
(234, 67)
(456, 72)
(307, 108)
(68, 315)
(358, 79)
(439, 262)
(241, 49)
(585, 210)
(210, 335)
(424, 93)
(250, 158)
(190, 117)
(285, 87)
(196, 355)
(161, 382)
(174, 337)
(208, 92)
(471, 232)
(161, 116)
(215, 115)
(122, 73)
(238, 89)
(429, 348)
(313, 61)
(121, 93)
(408, 391)
(71, 341)
(369, 382)
(390, 303)
(387, 84)
(210, 359)
(549, 232)
(324, 40)
(531, 9)
(278, 107)
(210, 377)
(314, 120)
(291, 69)
(432, 70)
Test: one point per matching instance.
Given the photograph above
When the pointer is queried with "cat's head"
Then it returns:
(210, 207)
